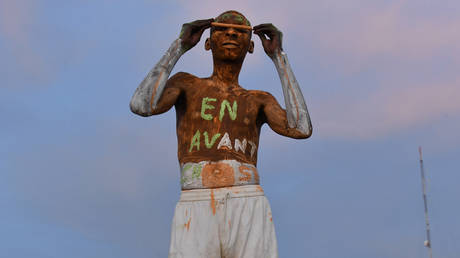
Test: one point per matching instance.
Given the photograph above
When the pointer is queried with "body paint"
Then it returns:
(213, 139)
(204, 106)
(296, 109)
(231, 110)
(148, 93)
(195, 141)
(225, 142)
(240, 146)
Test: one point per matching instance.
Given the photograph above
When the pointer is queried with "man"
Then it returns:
(222, 210)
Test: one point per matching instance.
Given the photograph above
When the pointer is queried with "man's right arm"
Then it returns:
(148, 95)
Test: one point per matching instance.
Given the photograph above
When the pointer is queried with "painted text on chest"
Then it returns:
(226, 108)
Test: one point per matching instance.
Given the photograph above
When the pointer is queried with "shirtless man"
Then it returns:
(222, 211)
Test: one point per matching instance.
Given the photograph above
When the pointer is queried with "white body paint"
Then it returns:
(296, 109)
(148, 93)
(240, 146)
(225, 142)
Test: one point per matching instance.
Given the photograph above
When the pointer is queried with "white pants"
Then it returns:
(229, 222)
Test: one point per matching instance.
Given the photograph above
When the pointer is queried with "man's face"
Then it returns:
(230, 44)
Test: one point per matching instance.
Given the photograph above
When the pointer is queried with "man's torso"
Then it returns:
(218, 134)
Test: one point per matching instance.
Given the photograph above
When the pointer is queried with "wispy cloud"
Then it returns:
(413, 58)
(399, 30)
(18, 21)
(388, 110)
(396, 41)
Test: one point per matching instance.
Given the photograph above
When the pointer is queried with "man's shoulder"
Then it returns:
(260, 94)
(183, 76)
(184, 79)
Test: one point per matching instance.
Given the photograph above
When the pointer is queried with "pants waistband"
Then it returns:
(220, 193)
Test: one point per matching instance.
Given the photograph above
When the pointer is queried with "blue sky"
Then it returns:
(81, 176)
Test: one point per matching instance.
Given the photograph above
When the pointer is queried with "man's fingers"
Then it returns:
(266, 31)
(262, 38)
(206, 23)
(264, 25)
(270, 34)
(203, 23)
(266, 28)
(261, 35)
(200, 26)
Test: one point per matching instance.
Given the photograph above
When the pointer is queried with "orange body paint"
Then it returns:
(229, 25)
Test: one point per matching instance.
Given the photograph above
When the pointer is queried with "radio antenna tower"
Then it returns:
(427, 242)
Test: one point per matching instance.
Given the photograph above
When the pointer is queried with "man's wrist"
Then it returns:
(172, 55)
(278, 57)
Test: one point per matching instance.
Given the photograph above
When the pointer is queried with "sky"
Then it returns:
(81, 176)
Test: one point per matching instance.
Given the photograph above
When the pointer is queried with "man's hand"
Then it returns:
(275, 37)
(191, 32)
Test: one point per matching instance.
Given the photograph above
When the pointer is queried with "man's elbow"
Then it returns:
(138, 109)
(305, 133)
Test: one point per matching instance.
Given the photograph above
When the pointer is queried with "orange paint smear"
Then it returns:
(216, 175)
(213, 203)
(188, 223)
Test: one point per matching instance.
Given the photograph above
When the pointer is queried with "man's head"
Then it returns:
(228, 43)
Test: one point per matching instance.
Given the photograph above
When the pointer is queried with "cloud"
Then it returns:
(18, 21)
(388, 110)
(399, 29)
(398, 42)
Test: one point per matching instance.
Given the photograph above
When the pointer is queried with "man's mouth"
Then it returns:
(230, 44)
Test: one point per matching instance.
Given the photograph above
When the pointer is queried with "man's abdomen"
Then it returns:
(214, 174)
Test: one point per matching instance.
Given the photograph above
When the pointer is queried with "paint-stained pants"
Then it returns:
(231, 222)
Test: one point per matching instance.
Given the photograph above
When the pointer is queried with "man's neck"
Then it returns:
(226, 73)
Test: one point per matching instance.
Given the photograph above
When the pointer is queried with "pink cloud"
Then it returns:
(352, 36)
(17, 21)
(388, 110)
(392, 30)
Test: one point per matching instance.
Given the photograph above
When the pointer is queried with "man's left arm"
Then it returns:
(296, 109)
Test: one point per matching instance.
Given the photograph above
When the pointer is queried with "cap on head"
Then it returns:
(232, 15)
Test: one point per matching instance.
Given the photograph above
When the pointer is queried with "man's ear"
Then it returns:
(251, 47)
(207, 44)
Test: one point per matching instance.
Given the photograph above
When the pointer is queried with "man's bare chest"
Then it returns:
(215, 121)
(210, 107)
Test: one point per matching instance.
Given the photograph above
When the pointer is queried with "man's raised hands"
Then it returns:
(191, 32)
(274, 40)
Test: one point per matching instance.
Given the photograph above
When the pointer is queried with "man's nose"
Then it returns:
(231, 32)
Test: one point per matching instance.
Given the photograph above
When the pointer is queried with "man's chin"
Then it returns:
(231, 57)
